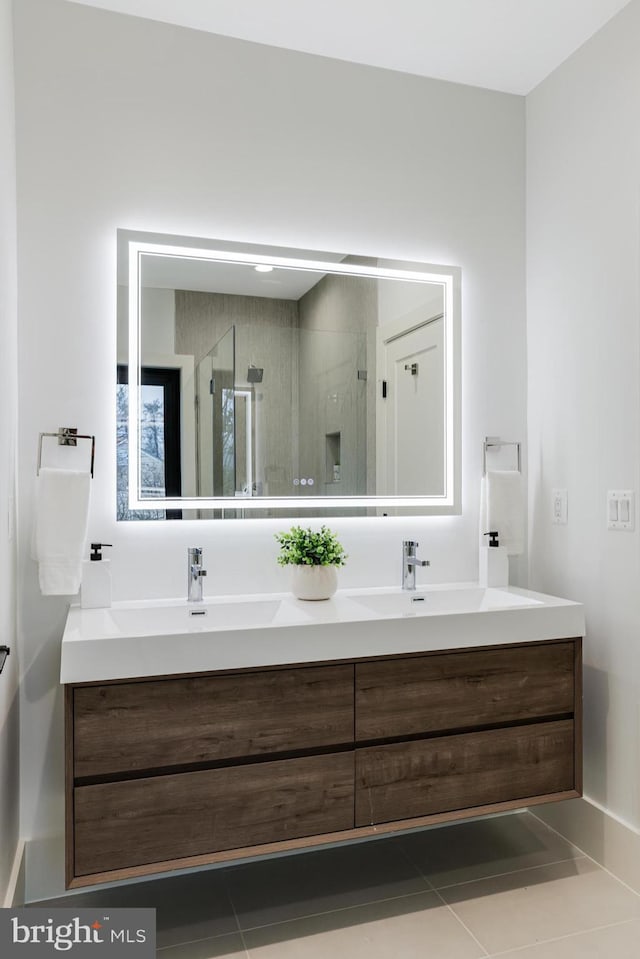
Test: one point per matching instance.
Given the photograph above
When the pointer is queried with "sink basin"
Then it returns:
(168, 637)
(188, 618)
(426, 603)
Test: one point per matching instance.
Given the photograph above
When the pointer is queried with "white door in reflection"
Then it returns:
(411, 403)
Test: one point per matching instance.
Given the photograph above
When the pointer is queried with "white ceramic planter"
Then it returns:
(314, 582)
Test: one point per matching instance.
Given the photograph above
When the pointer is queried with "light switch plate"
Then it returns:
(559, 503)
(621, 509)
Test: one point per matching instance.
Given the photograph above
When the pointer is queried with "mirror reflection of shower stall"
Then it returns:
(333, 403)
(215, 419)
(225, 433)
(246, 446)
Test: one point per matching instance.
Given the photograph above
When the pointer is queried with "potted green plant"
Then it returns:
(314, 556)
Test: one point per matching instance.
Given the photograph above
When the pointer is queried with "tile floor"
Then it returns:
(506, 886)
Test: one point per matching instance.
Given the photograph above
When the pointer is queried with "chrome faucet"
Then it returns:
(409, 563)
(195, 572)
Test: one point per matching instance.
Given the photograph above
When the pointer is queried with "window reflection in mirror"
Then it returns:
(159, 440)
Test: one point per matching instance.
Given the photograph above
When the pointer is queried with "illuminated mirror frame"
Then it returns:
(447, 277)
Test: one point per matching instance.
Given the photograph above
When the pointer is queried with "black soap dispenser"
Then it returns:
(493, 561)
(96, 579)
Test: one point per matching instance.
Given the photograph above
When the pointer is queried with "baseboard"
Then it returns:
(14, 895)
(604, 837)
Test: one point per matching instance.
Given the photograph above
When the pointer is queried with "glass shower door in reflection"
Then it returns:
(216, 419)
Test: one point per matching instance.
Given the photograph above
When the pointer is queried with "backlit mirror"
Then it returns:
(256, 381)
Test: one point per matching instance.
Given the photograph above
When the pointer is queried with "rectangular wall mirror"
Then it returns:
(256, 381)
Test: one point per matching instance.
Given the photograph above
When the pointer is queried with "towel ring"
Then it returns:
(67, 436)
(491, 442)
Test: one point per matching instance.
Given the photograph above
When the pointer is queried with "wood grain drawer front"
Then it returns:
(424, 777)
(402, 697)
(188, 814)
(129, 727)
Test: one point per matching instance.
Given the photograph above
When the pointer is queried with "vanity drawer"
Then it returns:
(123, 824)
(129, 727)
(457, 690)
(429, 776)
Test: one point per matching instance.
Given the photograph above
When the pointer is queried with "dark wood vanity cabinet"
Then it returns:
(144, 725)
(479, 726)
(166, 773)
(159, 818)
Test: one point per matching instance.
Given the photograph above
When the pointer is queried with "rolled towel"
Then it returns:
(62, 515)
(502, 509)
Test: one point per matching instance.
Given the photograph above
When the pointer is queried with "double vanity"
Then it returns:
(241, 726)
(205, 731)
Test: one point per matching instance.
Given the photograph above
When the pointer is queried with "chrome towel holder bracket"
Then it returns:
(492, 442)
(67, 436)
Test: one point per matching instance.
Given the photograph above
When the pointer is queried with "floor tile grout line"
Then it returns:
(193, 942)
(216, 935)
(329, 912)
(445, 904)
(511, 872)
(462, 923)
(569, 935)
(587, 856)
(190, 942)
(418, 869)
(235, 916)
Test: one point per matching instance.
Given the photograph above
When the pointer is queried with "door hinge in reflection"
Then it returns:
(384, 389)
(212, 385)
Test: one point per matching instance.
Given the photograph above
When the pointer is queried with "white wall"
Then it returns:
(9, 758)
(126, 123)
(583, 282)
(158, 318)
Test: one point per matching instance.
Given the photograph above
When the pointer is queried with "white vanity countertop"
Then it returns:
(164, 637)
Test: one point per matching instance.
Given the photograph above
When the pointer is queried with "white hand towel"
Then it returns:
(502, 509)
(62, 514)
